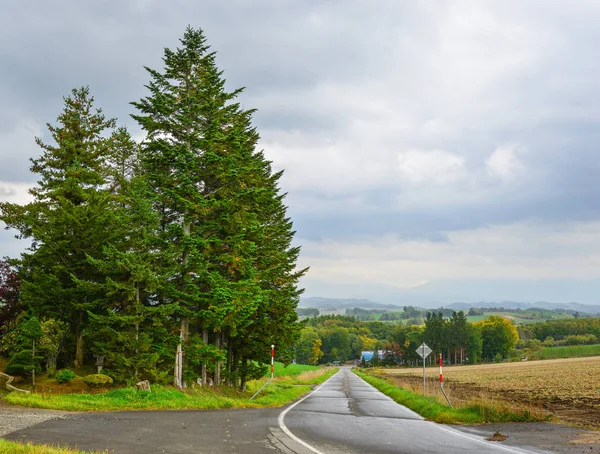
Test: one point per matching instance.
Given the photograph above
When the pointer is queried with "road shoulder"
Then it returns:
(540, 436)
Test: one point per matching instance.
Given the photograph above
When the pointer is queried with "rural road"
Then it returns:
(347, 415)
(344, 415)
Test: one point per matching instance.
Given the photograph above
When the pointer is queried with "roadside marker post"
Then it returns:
(272, 372)
(442, 383)
(272, 361)
(423, 351)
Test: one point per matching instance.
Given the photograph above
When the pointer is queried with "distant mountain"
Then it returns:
(336, 304)
(332, 304)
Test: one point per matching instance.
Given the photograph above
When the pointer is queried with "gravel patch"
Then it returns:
(13, 419)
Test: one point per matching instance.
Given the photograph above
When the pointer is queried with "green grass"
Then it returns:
(9, 447)
(291, 370)
(430, 408)
(280, 391)
(574, 351)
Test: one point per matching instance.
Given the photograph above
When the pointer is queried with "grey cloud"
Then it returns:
(7, 192)
(402, 60)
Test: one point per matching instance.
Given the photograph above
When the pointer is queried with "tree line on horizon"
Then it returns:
(328, 338)
(171, 259)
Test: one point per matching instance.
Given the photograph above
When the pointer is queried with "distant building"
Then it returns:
(368, 355)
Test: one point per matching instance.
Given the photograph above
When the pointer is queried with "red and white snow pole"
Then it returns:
(442, 382)
(272, 372)
(272, 361)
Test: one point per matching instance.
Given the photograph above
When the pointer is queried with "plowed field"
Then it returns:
(569, 389)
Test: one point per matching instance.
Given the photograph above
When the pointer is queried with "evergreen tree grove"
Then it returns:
(222, 219)
(172, 256)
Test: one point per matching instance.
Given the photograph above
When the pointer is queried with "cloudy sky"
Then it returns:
(435, 151)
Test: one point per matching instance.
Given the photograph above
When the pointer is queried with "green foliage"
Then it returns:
(499, 335)
(22, 364)
(97, 380)
(558, 329)
(224, 235)
(69, 219)
(51, 343)
(64, 376)
(569, 352)
(25, 359)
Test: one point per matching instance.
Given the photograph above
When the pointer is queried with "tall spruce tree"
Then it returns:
(69, 218)
(220, 214)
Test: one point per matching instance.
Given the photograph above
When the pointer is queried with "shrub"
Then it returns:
(21, 364)
(97, 380)
(65, 376)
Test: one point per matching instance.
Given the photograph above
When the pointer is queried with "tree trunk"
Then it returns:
(178, 380)
(229, 366)
(205, 340)
(51, 363)
(183, 335)
(217, 375)
(79, 349)
(244, 368)
(78, 362)
(137, 332)
(33, 363)
(235, 369)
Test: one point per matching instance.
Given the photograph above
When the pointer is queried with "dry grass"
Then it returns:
(568, 388)
(311, 376)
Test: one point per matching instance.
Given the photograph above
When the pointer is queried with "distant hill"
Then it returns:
(591, 309)
(331, 304)
(336, 304)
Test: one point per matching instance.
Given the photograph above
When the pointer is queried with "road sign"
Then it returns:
(423, 350)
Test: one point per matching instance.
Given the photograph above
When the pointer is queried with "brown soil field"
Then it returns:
(567, 389)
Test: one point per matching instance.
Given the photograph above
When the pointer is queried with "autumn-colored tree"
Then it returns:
(498, 336)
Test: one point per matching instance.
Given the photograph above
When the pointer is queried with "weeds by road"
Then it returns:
(282, 390)
(431, 408)
(566, 388)
(9, 447)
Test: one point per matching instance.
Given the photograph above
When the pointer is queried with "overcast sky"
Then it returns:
(433, 151)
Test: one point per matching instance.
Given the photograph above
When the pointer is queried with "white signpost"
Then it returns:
(424, 351)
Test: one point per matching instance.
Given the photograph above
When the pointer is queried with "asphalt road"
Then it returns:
(344, 415)
(347, 415)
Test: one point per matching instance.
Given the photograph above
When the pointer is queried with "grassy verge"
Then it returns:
(9, 447)
(280, 391)
(432, 409)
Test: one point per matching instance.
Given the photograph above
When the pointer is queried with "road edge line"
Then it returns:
(288, 432)
(512, 449)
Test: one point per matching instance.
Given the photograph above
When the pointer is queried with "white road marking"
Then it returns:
(484, 442)
(458, 433)
(287, 431)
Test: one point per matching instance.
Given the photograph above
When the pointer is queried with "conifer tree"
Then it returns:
(69, 218)
(220, 216)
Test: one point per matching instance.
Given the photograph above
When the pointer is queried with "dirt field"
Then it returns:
(569, 389)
